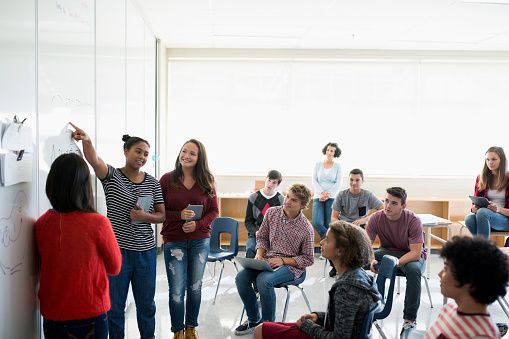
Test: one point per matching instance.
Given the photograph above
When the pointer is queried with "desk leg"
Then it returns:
(428, 245)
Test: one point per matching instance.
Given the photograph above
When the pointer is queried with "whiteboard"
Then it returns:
(18, 301)
(74, 76)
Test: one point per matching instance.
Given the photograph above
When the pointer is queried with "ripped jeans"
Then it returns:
(185, 263)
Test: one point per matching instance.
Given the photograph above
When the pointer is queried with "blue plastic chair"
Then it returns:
(386, 271)
(286, 286)
(217, 253)
(368, 321)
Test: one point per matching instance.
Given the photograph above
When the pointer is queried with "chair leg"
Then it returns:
(305, 298)
(235, 264)
(218, 282)
(212, 274)
(286, 303)
(427, 289)
(504, 305)
(242, 315)
(399, 285)
(382, 334)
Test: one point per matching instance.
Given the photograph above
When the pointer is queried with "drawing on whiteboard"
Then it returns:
(61, 100)
(6, 270)
(11, 227)
(58, 145)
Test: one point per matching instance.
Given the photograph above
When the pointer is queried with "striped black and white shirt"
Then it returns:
(121, 196)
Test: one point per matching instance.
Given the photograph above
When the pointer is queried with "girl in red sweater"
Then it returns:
(77, 249)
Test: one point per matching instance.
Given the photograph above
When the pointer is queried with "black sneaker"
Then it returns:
(333, 273)
(502, 329)
(407, 326)
(246, 328)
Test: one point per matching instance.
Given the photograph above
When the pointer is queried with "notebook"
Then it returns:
(479, 201)
(197, 209)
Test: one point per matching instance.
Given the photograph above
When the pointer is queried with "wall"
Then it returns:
(394, 114)
(430, 187)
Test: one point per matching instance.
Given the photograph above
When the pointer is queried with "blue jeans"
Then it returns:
(251, 246)
(322, 212)
(96, 328)
(139, 269)
(185, 263)
(413, 272)
(265, 282)
(484, 220)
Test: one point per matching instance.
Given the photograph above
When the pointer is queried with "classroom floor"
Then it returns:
(218, 321)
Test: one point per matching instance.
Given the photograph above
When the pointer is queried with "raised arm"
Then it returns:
(99, 166)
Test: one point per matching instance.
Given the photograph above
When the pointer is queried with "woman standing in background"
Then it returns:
(134, 201)
(493, 184)
(77, 249)
(187, 236)
(326, 184)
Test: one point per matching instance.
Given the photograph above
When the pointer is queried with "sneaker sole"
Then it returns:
(248, 331)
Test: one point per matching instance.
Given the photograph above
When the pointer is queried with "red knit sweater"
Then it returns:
(77, 251)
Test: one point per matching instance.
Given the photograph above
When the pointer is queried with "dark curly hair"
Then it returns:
(337, 151)
(130, 141)
(478, 262)
(353, 242)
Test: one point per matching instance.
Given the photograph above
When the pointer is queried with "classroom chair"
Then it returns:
(219, 226)
(386, 272)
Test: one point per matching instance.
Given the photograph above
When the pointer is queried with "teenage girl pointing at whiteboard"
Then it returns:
(123, 188)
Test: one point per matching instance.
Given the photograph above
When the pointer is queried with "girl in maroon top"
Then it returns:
(186, 237)
(77, 249)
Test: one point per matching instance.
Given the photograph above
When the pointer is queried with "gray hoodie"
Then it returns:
(350, 298)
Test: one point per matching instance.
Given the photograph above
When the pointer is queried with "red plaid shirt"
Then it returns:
(282, 237)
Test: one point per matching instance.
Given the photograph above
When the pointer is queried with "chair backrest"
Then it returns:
(386, 271)
(224, 225)
(368, 321)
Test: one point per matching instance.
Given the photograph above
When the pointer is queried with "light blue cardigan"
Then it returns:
(326, 182)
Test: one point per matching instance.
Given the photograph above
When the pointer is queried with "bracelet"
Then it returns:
(283, 261)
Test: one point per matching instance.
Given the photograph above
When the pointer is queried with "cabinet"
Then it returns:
(234, 206)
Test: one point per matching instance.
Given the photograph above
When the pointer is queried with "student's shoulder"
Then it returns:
(410, 215)
(44, 218)
(253, 196)
(377, 216)
(95, 217)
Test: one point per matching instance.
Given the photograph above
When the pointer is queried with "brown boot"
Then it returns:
(179, 335)
(191, 333)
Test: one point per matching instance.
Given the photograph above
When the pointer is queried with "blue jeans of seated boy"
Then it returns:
(484, 220)
(413, 272)
(185, 263)
(265, 282)
(139, 269)
(322, 212)
(251, 246)
(96, 327)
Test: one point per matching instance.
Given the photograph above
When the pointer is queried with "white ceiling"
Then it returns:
(330, 24)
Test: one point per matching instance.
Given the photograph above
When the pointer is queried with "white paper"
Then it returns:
(14, 171)
(17, 137)
(428, 219)
(60, 144)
